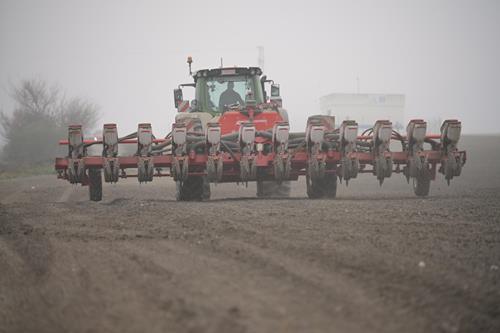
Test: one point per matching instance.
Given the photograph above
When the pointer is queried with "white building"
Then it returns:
(365, 109)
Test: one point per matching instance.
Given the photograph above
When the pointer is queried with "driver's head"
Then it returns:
(230, 85)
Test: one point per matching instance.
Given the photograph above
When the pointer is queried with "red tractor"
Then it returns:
(236, 131)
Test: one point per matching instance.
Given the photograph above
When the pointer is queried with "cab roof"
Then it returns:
(227, 71)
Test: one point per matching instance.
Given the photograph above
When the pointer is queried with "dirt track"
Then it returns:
(374, 260)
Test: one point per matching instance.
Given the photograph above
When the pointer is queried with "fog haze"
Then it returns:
(128, 56)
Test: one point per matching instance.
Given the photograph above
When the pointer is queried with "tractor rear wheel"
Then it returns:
(314, 188)
(324, 187)
(421, 186)
(194, 188)
(206, 189)
(330, 185)
(95, 185)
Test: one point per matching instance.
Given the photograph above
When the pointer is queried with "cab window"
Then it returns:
(228, 91)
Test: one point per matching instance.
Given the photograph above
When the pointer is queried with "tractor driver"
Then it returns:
(229, 97)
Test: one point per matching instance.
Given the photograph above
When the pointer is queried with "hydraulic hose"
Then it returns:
(129, 136)
(434, 144)
(161, 145)
(229, 150)
(332, 136)
(230, 137)
(264, 134)
(364, 144)
(98, 142)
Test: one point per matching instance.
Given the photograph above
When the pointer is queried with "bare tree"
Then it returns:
(35, 96)
(78, 111)
(39, 119)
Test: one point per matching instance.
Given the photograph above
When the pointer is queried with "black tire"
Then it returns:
(270, 189)
(314, 189)
(95, 185)
(421, 186)
(330, 185)
(260, 189)
(388, 170)
(191, 189)
(321, 188)
(206, 189)
(211, 170)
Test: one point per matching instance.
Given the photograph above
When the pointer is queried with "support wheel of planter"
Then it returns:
(95, 184)
(325, 187)
(192, 189)
(421, 186)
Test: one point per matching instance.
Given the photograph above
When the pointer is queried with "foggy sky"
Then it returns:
(128, 56)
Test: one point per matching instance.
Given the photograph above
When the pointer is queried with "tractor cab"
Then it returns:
(218, 90)
(222, 89)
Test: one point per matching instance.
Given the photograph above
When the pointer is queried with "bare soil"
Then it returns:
(376, 259)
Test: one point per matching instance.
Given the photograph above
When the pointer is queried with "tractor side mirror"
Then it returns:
(275, 90)
(262, 84)
(275, 95)
(178, 98)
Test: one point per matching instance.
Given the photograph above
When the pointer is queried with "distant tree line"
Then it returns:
(40, 118)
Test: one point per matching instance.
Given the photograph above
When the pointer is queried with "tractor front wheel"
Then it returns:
(95, 185)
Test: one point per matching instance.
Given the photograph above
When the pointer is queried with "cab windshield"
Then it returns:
(218, 93)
